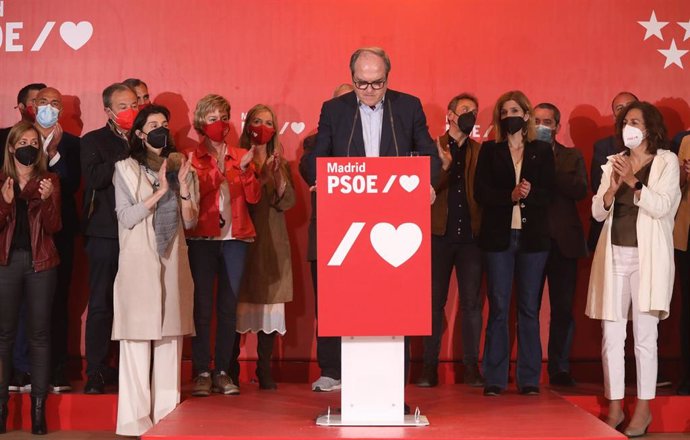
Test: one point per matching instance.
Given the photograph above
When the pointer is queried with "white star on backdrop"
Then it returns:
(673, 55)
(686, 26)
(653, 27)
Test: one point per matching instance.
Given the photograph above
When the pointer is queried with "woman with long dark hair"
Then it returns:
(633, 269)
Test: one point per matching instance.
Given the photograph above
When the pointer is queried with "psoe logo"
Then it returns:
(75, 35)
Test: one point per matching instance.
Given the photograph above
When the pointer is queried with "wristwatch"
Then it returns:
(638, 186)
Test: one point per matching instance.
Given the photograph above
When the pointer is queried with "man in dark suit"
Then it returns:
(567, 241)
(327, 347)
(373, 120)
(100, 149)
(63, 159)
(603, 148)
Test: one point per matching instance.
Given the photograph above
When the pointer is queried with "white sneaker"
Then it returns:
(325, 384)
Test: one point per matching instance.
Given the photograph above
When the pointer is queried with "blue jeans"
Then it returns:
(529, 270)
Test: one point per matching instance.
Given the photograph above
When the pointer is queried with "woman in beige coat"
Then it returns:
(267, 281)
(156, 197)
(632, 271)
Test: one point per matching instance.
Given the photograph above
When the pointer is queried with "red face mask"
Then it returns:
(125, 118)
(143, 106)
(260, 134)
(216, 131)
(30, 113)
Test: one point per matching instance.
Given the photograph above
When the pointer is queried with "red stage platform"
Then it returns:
(454, 411)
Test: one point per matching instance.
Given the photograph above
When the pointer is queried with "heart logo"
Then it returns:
(297, 127)
(409, 183)
(76, 35)
(396, 246)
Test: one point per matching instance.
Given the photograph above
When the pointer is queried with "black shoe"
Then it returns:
(562, 379)
(59, 383)
(3, 417)
(38, 416)
(406, 409)
(472, 376)
(266, 381)
(20, 383)
(492, 391)
(15, 384)
(110, 375)
(684, 388)
(429, 377)
(95, 384)
(529, 390)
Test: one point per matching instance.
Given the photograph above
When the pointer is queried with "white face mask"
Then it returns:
(632, 137)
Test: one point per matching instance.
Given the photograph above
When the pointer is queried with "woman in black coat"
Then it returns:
(514, 180)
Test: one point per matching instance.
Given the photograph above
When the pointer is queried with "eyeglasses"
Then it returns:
(375, 85)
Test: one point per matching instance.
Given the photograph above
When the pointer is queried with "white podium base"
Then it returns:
(336, 420)
(373, 384)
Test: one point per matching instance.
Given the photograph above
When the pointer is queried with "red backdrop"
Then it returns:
(290, 55)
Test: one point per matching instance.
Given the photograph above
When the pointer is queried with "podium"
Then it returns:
(374, 282)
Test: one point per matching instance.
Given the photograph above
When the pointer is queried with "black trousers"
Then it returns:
(103, 256)
(64, 242)
(683, 271)
(21, 284)
(466, 259)
(561, 273)
(327, 347)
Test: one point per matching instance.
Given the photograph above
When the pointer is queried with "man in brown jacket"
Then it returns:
(455, 220)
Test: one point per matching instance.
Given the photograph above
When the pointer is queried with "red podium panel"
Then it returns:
(374, 257)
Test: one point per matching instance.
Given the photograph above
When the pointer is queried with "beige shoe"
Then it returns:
(202, 385)
(223, 384)
(638, 431)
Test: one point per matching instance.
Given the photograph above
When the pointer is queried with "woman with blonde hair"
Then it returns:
(513, 185)
(228, 185)
(29, 216)
(267, 281)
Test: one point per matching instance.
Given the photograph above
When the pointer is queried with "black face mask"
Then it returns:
(158, 138)
(512, 124)
(26, 155)
(466, 122)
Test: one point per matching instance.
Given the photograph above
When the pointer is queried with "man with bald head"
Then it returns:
(63, 159)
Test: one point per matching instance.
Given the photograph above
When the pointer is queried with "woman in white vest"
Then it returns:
(156, 196)
(633, 270)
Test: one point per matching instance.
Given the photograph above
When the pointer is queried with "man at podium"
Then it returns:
(372, 121)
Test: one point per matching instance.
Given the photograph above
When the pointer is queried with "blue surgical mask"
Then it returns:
(544, 133)
(47, 116)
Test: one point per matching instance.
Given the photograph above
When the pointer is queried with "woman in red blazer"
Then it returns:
(218, 244)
